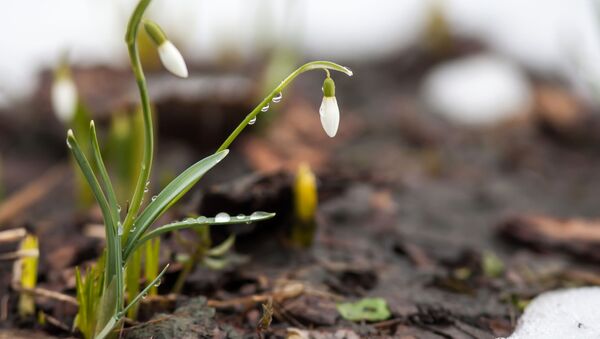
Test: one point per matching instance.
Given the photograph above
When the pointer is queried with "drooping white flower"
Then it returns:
(169, 54)
(172, 59)
(329, 110)
(64, 98)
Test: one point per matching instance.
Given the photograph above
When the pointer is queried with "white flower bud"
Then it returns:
(172, 59)
(64, 98)
(330, 115)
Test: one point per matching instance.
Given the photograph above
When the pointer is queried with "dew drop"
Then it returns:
(240, 216)
(144, 295)
(222, 217)
(119, 208)
(277, 98)
(189, 220)
(157, 283)
(252, 121)
(146, 190)
(258, 215)
(119, 229)
(201, 219)
(265, 108)
(154, 197)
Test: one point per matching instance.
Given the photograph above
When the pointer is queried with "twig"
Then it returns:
(42, 292)
(32, 253)
(12, 235)
(30, 194)
(4, 308)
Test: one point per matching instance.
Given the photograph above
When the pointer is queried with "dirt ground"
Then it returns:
(455, 227)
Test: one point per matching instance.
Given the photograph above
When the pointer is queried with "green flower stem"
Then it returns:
(136, 65)
(324, 65)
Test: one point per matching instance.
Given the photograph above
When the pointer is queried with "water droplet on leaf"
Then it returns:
(222, 217)
(258, 215)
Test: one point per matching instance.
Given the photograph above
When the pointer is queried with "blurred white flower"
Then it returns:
(172, 59)
(64, 98)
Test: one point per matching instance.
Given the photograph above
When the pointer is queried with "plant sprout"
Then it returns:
(123, 237)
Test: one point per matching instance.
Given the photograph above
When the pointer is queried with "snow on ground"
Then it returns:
(563, 314)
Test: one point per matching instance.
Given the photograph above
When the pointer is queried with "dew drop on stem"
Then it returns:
(222, 217)
(154, 197)
(265, 108)
(252, 121)
(277, 98)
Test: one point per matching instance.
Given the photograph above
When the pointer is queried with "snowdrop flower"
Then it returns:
(329, 110)
(63, 95)
(169, 54)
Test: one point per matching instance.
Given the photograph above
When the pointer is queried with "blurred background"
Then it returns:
(468, 138)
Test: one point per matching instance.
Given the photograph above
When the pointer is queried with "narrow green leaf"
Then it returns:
(132, 276)
(107, 328)
(215, 264)
(222, 248)
(108, 188)
(201, 221)
(169, 196)
(145, 290)
(113, 244)
(152, 261)
(107, 309)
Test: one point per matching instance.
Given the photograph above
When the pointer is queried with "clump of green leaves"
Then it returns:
(103, 301)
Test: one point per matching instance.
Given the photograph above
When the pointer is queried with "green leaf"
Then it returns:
(492, 265)
(368, 309)
(215, 264)
(132, 282)
(144, 292)
(170, 195)
(106, 183)
(222, 248)
(108, 306)
(114, 263)
(200, 221)
(151, 259)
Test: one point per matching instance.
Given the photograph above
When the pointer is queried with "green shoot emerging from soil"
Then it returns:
(102, 293)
